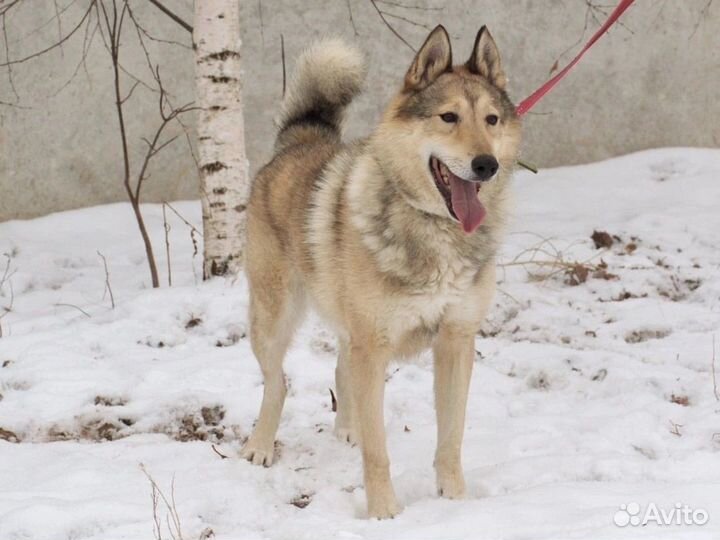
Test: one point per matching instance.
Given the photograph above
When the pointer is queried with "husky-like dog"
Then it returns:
(391, 239)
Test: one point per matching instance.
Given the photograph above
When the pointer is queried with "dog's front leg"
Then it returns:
(454, 352)
(367, 369)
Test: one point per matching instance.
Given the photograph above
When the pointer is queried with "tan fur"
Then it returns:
(362, 234)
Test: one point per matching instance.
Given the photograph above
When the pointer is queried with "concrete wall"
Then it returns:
(652, 82)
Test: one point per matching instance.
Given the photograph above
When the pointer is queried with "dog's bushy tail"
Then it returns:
(328, 75)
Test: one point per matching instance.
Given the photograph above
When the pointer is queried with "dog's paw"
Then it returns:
(384, 507)
(347, 435)
(451, 485)
(257, 454)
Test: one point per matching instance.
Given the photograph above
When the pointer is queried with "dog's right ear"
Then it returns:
(432, 60)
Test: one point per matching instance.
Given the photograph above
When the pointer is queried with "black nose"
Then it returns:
(484, 167)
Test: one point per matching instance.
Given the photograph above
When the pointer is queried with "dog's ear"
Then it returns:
(485, 59)
(432, 60)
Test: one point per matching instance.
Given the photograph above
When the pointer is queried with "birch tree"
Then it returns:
(224, 176)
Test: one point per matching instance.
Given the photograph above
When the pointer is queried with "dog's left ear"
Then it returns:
(432, 60)
(485, 59)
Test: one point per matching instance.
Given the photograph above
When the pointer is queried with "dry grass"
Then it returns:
(545, 260)
(172, 517)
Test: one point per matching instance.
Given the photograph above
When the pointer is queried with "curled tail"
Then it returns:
(328, 75)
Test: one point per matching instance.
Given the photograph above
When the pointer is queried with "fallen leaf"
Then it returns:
(602, 239)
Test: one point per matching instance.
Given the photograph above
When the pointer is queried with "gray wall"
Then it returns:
(652, 82)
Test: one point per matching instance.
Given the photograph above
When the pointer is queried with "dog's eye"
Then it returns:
(492, 119)
(449, 117)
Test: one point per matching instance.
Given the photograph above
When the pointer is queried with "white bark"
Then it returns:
(224, 176)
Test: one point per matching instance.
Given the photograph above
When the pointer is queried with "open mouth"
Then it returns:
(460, 195)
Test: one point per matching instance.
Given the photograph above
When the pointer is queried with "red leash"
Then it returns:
(529, 102)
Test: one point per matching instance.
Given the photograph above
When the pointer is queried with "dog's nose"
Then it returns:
(484, 166)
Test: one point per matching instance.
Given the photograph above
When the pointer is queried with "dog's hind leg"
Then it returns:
(275, 310)
(345, 420)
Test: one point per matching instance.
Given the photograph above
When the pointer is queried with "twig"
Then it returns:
(409, 21)
(390, 26)
(591, 11)
(81, 310)
(223, 456)
(194, 233)
(7, 58)
(157, 528)
(166, 226)
(525, 165)
(406, 6)
(178, 214)
(151, 37)
(172, 15)
(54, 45)
(262, 24)
(4, 8)
(352, 21)
(88, 39)
(108, 288)
(175, 530)
(59, 25)
(282, 55)
(46, 23)
(703, 14)
(3, 280)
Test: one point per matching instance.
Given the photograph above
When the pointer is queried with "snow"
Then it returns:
(584, 397)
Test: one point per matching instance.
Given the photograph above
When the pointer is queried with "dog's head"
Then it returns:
(451, 134)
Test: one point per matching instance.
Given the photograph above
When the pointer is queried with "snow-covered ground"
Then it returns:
(593, 386)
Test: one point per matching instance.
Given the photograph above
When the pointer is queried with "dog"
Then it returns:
(391, 239)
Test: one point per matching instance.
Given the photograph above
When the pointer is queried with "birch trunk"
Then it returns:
(224, 176)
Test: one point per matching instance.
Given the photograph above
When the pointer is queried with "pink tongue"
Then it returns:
(466, 205)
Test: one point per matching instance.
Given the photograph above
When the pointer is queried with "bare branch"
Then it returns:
(172, 15)
(7, 59)
(390, 26)
(46, 23)
(57, 43)
(352, 21)
(114, 30)
(130, 93)
(59, 23)
(151, 37)
(7, 7)
(406, 6)
(409, 21)
(87, 42)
